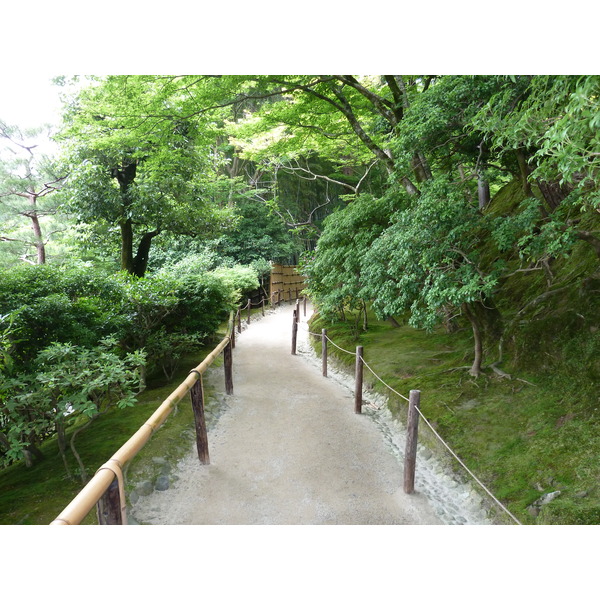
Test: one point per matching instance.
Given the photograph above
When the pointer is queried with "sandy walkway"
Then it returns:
(288, 450)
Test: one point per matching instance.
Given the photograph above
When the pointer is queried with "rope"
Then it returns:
(432, 429)
(467, 469)
(339, 347)
(304, 327)
(382, 381)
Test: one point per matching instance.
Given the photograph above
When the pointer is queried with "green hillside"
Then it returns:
(528, 428)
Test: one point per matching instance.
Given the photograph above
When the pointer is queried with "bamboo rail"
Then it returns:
(95, 489)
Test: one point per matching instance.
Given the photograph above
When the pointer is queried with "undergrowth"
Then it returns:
(37, 495)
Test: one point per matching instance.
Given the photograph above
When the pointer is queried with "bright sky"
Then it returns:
(29, 100)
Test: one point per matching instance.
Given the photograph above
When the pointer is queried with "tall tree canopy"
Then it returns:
(141, 176)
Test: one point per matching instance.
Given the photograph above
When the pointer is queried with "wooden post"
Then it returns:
(108, 508)
(294, 333)
(358, 382)
(410, 454)
(262, 307)
(197, 395)
(228, 366)
(304, 305)
(297, 311)
(249, 308)
(324, 351)
(239, 320)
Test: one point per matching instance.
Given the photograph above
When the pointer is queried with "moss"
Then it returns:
(38, 494)
(522, 437)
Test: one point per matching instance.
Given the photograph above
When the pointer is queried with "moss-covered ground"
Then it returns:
(523, 437)
(36, 495)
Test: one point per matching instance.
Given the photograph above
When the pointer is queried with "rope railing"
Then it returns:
(389, 387)
(439, 437)
(414, 410)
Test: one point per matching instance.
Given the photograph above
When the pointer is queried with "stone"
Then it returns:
(534, 507)
(162, 483)
(133, 497)
(426, 453)
(546, 498)
(145, 488)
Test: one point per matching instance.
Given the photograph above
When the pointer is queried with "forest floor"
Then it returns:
(289, 449)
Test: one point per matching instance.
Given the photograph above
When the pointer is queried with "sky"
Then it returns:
(29, 100)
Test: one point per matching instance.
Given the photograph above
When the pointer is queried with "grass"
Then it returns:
(521, 439)
(37, 495)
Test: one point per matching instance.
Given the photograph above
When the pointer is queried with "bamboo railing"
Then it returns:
(106, 489)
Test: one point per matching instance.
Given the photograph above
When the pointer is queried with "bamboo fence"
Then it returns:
(106, 486)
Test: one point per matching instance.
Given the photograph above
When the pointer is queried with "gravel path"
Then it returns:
(289, 449)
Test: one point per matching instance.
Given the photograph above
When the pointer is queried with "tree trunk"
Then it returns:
(82, 471)
(483, 191)
(140, 262)
(125, 176)
(37, 228)
(127, 246)
(393, 322)
(475, 369)
(62, 445)
(39, 243)
(553, 192)
(420, 167)
(590, 239)
(524, 172)
(463, 179)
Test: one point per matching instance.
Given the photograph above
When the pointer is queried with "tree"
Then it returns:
(551, 125)
(335, 273)
(142, 178)
(70, 383)
(429, 261)
(26, 180)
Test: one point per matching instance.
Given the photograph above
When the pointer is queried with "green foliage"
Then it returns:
(143, 178)
(438, 122)
(50, 304)
(428, 259)
(554, 119)
(259, 235)
(66, 380)
(334, 272)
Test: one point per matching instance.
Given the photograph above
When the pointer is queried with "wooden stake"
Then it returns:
(249, 308)
(410, 454)
(294, 332)
(228, 366)
(304, 305)
(358, 382)
(108, 509)
(197, 395)
(324, 351)
(262, 306)
(239, 320)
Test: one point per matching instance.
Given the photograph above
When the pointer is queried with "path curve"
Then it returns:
(288, 449)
